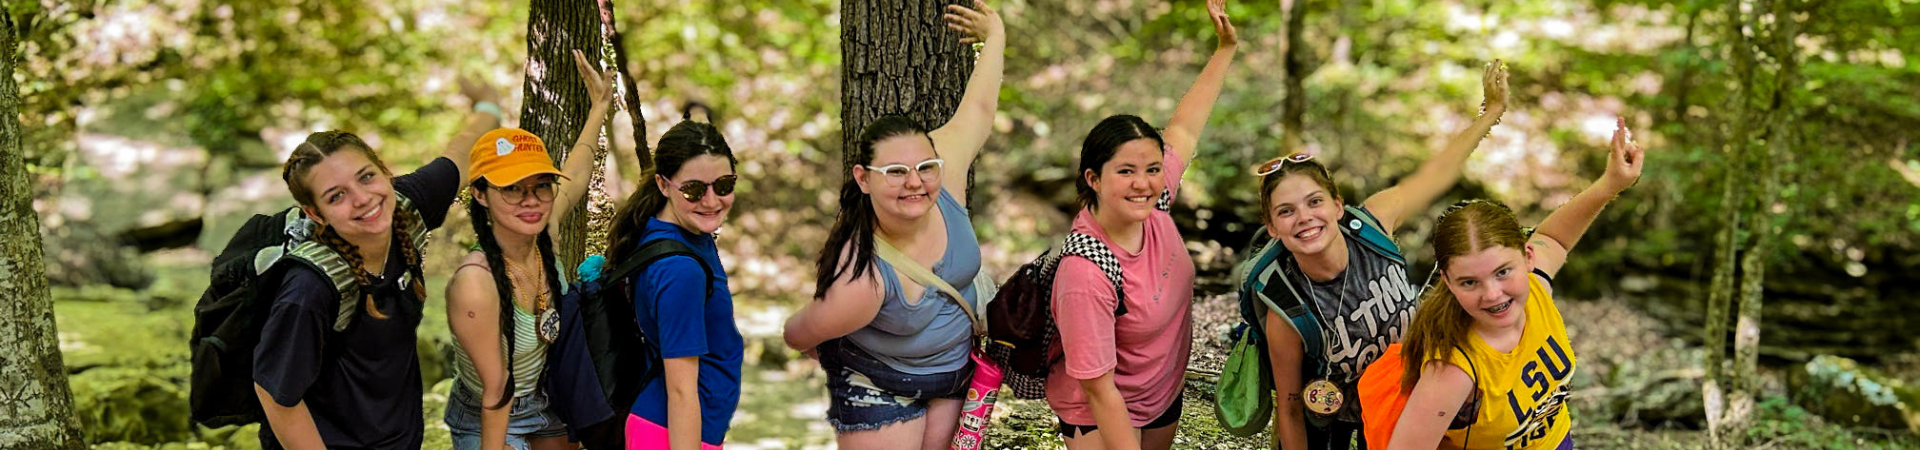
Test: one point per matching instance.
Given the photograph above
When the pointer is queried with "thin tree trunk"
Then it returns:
(556, 103)
(629, 93)
(1780, 140)
(36, 404)
(898, 57)
(1293, 95)
(1723, 386)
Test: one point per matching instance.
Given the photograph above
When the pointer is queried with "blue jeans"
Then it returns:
(529, 419)
(867, 394)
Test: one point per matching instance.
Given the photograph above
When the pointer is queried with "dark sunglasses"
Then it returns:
(1274, 165)
(695, 190)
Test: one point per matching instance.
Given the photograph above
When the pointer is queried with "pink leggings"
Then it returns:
(645, 435)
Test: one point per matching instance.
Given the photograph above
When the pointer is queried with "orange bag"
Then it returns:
(1382, 398)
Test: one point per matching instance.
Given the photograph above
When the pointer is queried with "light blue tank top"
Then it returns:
(933, 335)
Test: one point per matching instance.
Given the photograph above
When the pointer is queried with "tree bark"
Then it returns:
(1723, 386)
(36, 404)
(898, 57)
(629, 93)
(556, 103)
(1293, 95)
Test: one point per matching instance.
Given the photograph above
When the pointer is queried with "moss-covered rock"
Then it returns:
(1843, 391)
(435, 407)
(132, 405)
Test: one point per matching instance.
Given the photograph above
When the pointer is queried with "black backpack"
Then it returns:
(601, 359)
(230, 313)
(1020, 331)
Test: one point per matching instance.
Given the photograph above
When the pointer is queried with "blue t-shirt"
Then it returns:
(666, 299)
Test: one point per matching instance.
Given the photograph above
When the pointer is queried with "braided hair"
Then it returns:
(490, 246)
(318, 147)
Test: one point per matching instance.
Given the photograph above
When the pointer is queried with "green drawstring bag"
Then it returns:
(1243, 401)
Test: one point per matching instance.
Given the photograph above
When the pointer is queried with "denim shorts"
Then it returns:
(529, 419)
(867, 394)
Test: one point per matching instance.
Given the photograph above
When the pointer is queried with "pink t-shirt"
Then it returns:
(1147, 348)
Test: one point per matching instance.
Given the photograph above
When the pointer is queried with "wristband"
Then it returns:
(489, 108)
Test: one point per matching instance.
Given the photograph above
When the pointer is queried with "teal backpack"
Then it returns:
(1244, 397)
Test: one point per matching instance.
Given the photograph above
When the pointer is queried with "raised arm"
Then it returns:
(579, 159)
(1407, 199)
(1562, 229)
(1190, 116)
(486, 116)
(960, 139)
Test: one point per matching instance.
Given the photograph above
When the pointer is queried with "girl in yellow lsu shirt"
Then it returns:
(1492, 348)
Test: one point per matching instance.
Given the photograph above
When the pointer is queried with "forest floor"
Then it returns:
(128, 351)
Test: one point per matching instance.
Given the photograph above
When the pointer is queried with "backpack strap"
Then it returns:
(1362, 225)
(1270, 286)
(926, 278)
(323, 259)
(652, 251)
(1086, 246)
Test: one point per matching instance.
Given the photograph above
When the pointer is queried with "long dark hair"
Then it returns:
(483, 232)
(685, 141)
(318, 147)
(1102, 143)
(856, 219)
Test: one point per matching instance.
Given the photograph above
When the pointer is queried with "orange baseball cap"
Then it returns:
(507, 155)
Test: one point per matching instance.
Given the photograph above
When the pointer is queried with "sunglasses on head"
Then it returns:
(1274, 165)
(695, 190)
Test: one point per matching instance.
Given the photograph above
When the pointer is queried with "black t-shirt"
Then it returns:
(361, 385)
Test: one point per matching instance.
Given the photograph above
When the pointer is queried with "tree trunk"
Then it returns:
(556, 103)
(628, 93)
(1293, 96)
(898, 57)
(1724, 417)
(36, 404)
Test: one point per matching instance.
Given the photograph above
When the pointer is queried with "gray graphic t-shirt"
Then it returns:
(1362, 311)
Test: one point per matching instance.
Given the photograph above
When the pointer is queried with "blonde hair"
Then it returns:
(1439, 323)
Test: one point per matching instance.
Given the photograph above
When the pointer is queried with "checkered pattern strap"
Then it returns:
(1165, 203)
(1089, 247)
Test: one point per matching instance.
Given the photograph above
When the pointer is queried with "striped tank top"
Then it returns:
(529, 357)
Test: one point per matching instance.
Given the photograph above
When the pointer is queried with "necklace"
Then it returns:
(1320, 395)
(548, 325)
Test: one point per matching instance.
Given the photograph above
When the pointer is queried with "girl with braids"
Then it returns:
(501, 296)
(354, 383)
(896, 352)
(1494, 337)
(686, 314)
(1340, 279)
(1118, 383)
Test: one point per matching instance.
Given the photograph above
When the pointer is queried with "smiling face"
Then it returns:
(351, 193)
(912, 197)
(1130, 182)
(520, 208)
(708, 213)
(1491, 285)
(1301, 215)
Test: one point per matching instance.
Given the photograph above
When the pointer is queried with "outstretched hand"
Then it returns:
(1625, 159)
(599, 85)
(1222, 27)
(1493, 83)
(978, 23)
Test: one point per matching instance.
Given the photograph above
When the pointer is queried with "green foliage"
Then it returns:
(1782, 424)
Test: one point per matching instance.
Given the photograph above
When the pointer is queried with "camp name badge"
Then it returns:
(549, 326)
(1322, 397)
